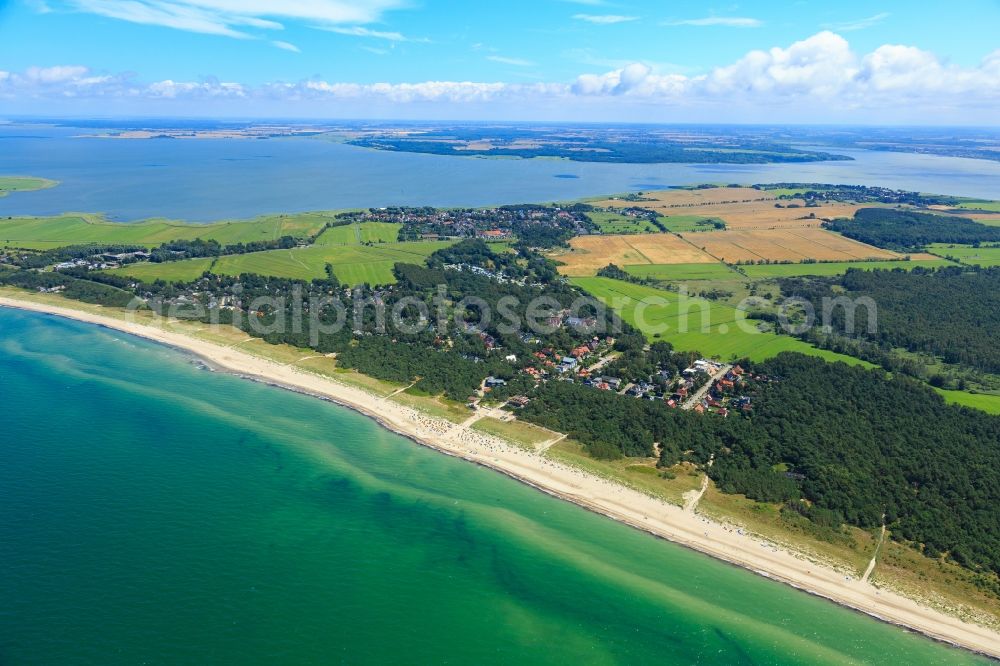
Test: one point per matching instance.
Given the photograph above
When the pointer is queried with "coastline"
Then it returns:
(570, 484)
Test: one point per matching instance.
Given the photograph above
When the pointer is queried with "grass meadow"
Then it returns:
(352, 264)
(72, 229)
(709, 327)
(975, 256)
(616, 223)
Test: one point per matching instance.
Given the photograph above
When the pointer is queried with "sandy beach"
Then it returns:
(602, 496)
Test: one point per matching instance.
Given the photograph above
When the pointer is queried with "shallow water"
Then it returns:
(155, 512)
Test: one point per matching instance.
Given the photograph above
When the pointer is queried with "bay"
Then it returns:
(205, 180)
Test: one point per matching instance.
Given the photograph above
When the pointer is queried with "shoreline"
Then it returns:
(570, 484)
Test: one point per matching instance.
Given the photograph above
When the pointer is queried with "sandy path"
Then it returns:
(597, 494)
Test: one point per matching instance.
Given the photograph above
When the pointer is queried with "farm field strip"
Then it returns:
(784, 245)
(591, 253)
(681, 272)
(822, 269)
(974, 256)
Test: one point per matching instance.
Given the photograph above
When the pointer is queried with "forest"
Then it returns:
(853, 443)
(907, 230)
(951, 312)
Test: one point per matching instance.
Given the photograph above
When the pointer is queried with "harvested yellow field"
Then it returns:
(591, 253)
(684, 198)
(784, 245)
(763, 215)
(738, 207)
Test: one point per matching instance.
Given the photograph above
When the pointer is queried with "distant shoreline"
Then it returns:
(599, 495)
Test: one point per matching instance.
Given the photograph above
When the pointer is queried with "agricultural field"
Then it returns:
(683, 272)
(695, 324)
(734, 246)
(591, 253)
(679, 223)
(769, 271)
(358, 233)
(974, 256)
(616, 223)
(47, 232)
(171, 271)
(351, 264)
(23, 184)
(978, 204)
(738, 207)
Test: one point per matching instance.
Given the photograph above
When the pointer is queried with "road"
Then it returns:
(700, 393)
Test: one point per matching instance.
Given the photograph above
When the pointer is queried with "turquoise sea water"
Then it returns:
(155, 512)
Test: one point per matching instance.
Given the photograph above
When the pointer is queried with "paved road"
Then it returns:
(700, 393)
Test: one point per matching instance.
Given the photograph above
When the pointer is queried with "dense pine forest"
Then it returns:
(833, 442)
(952, 312)
(906, 230)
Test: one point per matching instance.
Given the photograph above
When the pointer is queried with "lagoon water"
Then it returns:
(203, 180)
(152, 511)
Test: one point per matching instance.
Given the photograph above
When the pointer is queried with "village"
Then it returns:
(705, 387)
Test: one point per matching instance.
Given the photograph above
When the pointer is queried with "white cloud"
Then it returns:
(604, 19)
(813, 78)
(517, 62)
(231, 18)
(860, 24)
(358, 31)
(287, 46)
(727, 21)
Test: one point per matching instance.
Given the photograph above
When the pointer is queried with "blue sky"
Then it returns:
(518, 59)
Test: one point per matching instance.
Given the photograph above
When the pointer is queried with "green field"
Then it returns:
(695, 324)
(48, 232)
(356, 234)
(717, 271)
(171, 271)
(768, 271)
(352, 265)
(616, 223)
(976, 256)
(992, 206)
(986, 402)
(23, 184)
(681, 223)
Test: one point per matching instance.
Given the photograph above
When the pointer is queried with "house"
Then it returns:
(493, 382)
(612, 382)
(493, 234)
(699, 408)
(510, 358)
(518, 401)
(567, 363)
